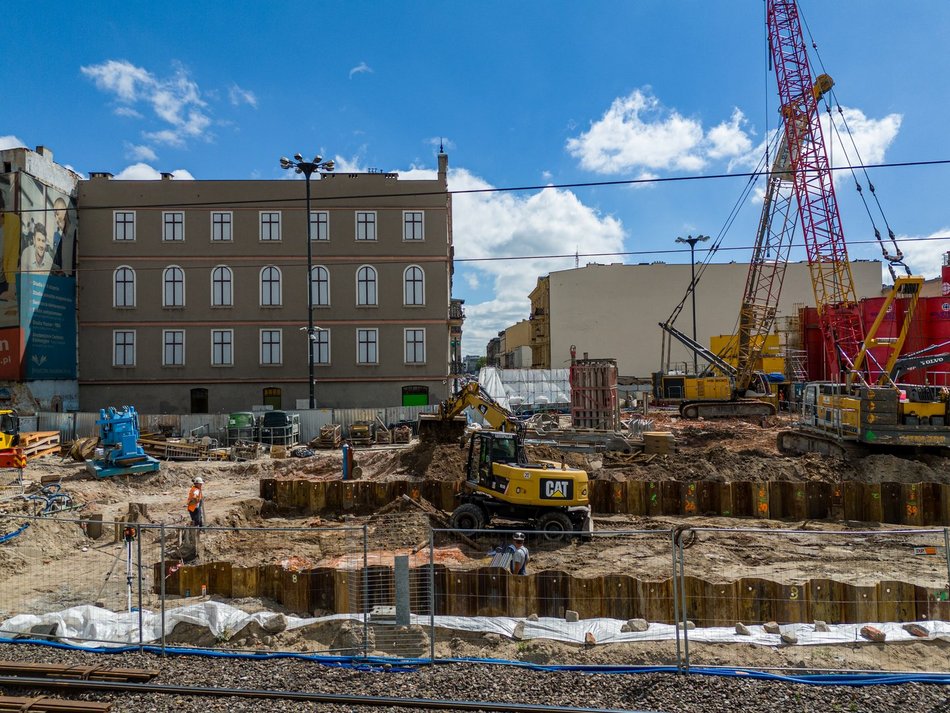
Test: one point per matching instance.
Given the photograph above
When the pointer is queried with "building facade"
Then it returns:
(614, 311)
(194, 293)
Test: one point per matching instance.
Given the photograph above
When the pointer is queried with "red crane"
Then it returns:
(825, 247)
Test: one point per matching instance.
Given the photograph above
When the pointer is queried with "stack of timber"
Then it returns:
(174, 449)
(37, 444)
(244, 450)
(331, 436)
(383, 436)
(659, 442)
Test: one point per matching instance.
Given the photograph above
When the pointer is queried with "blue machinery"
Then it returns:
(118, 436)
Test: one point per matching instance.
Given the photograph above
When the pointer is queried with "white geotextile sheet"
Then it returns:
(534, 387)
(90, 626)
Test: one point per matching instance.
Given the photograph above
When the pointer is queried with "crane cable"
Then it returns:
(895, 259)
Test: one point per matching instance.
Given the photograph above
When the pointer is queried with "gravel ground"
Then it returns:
(637, 692)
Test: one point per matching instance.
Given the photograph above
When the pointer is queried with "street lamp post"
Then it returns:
(308, 168)
(691, 241)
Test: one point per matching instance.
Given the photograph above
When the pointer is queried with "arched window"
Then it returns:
(320, 286)
(270, 287)
(221, 292)
(173, 292)
(123, 280)
(414, 288)
(366, 286)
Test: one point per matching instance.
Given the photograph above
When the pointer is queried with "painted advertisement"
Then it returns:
(9, 249)
(46, 286)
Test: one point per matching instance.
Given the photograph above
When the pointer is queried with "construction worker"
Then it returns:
(519, 554)
(196, 502)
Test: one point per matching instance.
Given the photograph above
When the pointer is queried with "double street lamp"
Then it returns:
(308, 168)
(691, 241)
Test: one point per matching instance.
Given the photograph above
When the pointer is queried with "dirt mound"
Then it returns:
(434, 461)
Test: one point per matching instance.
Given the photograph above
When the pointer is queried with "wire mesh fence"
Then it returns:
(801, 596)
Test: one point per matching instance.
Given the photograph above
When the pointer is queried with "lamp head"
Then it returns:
(317, 159)
(285, 162)
(298, 157)
(329, 165)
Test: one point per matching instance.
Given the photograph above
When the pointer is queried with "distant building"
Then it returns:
(38, 232)
(195, 292)
(613, 311)
(471, 363)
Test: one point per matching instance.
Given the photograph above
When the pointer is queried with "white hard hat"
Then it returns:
(198, 481)
(519, 537)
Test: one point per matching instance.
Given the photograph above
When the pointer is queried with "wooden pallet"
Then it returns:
(331, 436)
(36, 444)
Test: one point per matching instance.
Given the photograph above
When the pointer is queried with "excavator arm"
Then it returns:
(473, 395)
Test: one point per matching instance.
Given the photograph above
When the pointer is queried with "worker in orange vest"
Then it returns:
(196, 502)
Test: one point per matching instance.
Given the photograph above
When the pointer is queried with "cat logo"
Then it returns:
(553, 489)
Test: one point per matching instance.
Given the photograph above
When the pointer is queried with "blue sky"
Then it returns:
(523, 94)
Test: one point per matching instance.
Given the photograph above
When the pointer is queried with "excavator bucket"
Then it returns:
(435, 429)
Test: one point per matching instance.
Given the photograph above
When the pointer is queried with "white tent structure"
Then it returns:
(527, 389)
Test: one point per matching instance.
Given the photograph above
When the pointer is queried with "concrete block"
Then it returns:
(571, 616)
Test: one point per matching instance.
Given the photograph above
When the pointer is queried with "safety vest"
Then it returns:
(194, 498)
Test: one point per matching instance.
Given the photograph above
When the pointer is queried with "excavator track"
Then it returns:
(743, 408)
(798, 443)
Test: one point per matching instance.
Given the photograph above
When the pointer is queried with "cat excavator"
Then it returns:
(448, 423)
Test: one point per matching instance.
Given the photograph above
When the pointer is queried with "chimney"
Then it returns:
(443, 164)
(44, 152)
(100, 175)
(167, 176)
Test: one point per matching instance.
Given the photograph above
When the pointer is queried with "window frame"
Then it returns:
(166, 214)
(280, 287)
(229, 224)
(359, 287)
(421, 288)
(321, 342)
(165, 304)
(230, 286)
(316, 224)
(125, 346)
(365, 224)
(125, 226)
(230, 347)
(359, 346)
(132, 282)
(405, 343)
(165, 345)
(280, 344)
(406, 223)
(315, 284)
(270, 224)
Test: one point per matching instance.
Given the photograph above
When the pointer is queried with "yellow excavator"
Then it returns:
(11, 454)
(500, 482)
(448, 423)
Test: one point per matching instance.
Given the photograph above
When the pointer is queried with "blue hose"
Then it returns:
(11, 535)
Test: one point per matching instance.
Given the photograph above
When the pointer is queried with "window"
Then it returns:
(270, 225)
(173, 226)
(270, 287)
(412, 225)
(222, 347)
(414, 290)
(123, 347)
(320, 286)
(173, 353)
(321, 347)
(173, 294)
(124, 225)
(221, 226)
(319, 225)
(365, 225)
(270, 346)
(366, 340)
(366, 286)
(123, 294)
(415, 346)
(221, 292)
(272, 397)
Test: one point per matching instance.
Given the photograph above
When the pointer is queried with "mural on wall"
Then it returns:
(45, 290)
(11, 351)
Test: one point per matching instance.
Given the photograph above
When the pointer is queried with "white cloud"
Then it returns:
(144, 172)
(361, 68)
(140, 152)
(175, 101)
(239, 96)
(638, 133)
(127, 111)
(924, 253)
(11, 142)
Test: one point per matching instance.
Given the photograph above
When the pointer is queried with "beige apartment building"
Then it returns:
(614, 311)
(193, 294)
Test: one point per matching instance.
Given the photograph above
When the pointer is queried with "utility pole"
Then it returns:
(691, 241)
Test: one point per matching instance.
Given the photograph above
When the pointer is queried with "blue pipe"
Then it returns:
(11, 535)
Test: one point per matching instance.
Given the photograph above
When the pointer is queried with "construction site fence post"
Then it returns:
(678, 539)
(141, 582)
(431, 595)
(676, 599)
(366, 599)
(164, 575)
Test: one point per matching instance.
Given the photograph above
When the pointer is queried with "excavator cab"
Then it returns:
(9, 429)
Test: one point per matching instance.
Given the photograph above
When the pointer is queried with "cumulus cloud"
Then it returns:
(924, 253)
(361, 68)
(126, 111)
(11, 142)
(239, 96)
(637, 133)
(175, 101)
(140, 152)
(144, 172)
